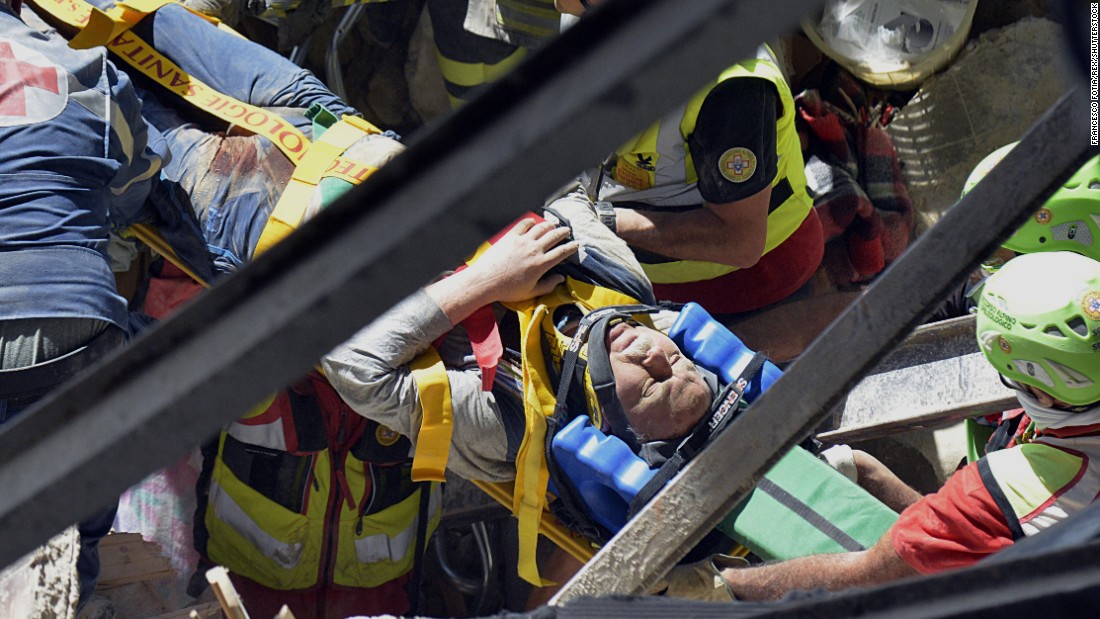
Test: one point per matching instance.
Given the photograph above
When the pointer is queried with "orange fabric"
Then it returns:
(952, 528)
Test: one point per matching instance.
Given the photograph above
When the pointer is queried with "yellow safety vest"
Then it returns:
(355, 510)
(1039, 484)
(659, 158)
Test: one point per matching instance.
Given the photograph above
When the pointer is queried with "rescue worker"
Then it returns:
(1065, 222)
(78, 163)
(478, 41)
(713, 197)
(1038, 325)
(306, 503)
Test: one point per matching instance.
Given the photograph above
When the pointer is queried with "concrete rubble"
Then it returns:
(997, 87)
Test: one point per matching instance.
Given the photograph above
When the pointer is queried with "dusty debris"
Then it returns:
(44, 582)
(996, 89)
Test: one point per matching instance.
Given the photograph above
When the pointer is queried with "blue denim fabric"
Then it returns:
(230, 182)
(234, 65)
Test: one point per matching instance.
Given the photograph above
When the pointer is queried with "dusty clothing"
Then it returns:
(1003, 497)
(371, 373)
(232, 182)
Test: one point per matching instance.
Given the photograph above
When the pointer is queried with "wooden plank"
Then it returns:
(231, 603)
(126, 558)
(928, 395)
(209, 610)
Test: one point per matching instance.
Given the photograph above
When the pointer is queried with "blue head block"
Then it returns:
(711, 345)
(603, 469)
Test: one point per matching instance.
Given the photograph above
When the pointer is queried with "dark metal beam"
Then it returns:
(1065, 583)
(565, 107)
(1053, 574)
(720, 477)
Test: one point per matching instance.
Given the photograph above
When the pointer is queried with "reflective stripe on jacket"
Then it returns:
(1039, 484)
(306, 492)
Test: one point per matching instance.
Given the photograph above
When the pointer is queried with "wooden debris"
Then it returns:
(231, 603)
(126, 558)
(209, 610)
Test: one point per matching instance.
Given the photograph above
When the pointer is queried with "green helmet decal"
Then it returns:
(1070, 219)
(1038, 323)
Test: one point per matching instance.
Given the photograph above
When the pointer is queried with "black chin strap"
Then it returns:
(592, 329)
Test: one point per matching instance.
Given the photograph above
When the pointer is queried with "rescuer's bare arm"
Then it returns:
(878, 564)
(732, 233)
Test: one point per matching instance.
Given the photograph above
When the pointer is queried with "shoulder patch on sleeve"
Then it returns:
(737, 165)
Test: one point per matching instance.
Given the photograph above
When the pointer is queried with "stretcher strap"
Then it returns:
(322, 161)
(532, 474)
(433, 443)
(550, 527)
(810, 515)
(112, 29)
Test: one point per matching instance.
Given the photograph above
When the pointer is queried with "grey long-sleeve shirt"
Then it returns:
(370, 370)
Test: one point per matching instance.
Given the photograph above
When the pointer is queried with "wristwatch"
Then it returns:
(606, 212)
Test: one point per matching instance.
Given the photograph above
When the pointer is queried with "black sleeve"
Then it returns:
(733, 145)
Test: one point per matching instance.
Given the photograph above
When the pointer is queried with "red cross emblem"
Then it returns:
(16, 76)
(736, 165)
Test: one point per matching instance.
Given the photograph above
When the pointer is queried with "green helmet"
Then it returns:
(1038, 323)
(1070, 219)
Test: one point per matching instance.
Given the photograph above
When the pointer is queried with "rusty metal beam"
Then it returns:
(800, 401)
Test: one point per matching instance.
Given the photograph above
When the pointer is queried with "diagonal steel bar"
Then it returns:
(578, 98)
(712, 484)
(1059, 583)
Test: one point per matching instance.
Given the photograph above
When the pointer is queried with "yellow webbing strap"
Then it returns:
(112, 30)
(565, 538)
(433, 443)
(322, 160)
(531, 472)
(539, 399)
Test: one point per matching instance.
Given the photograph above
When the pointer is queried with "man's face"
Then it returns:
(662, 393)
